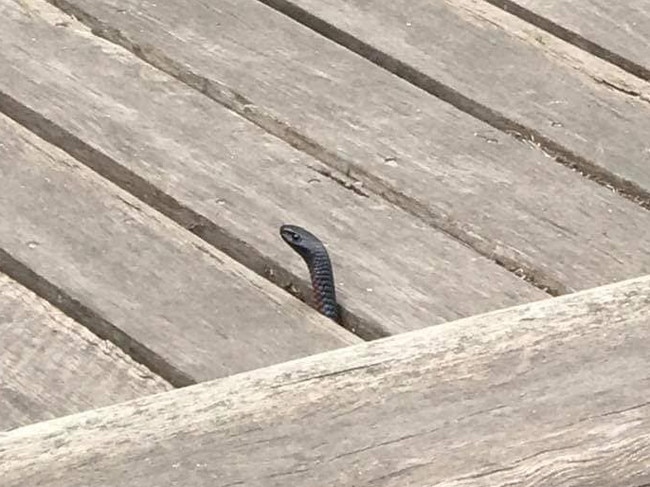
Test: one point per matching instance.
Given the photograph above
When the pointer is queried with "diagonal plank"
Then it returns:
(550, 393)
(616, 31)
(51, 366)
(180, 307)
(504, 198)
(574, 105)
(234, 184)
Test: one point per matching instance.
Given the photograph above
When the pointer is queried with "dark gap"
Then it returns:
(196, 223)
(92, 320)
(564, 156)
(572, 38)
(245, 108)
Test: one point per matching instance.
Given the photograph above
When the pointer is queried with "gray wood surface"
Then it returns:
(550, 393)
(620, 28)
(393, 272)
(503, 197)
(51, 366)
(184, 309)
(574, 105)
(571, 103)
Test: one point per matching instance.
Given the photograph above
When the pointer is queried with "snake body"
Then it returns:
(313, 252)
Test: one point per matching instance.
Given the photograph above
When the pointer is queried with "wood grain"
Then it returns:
(51, 366)
(550, 393)
(573, 104)
(137, 278)
(504, 198)
(234, 184)
(617, 31)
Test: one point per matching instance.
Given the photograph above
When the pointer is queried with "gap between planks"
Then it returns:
(194, 222)
(239, 104)
(188, 320)
(562, 155)
(572, 37)
(53, 366)
(98, 160)
(93, 321)
(549, 392)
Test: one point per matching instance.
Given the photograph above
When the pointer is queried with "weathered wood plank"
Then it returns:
(51, 366)
(184, 308)
(393, 272)
(576, 106)
(502, 197)
(616, 31)
(550, 393)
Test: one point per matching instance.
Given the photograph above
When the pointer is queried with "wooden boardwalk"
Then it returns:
(466, 162)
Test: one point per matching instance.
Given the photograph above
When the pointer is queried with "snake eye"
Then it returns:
(295, 237)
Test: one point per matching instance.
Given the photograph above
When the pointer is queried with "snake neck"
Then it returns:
(322, 280)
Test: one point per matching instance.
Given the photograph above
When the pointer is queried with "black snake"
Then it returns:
(312, 250)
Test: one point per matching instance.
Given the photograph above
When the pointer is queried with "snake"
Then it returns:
(315, 255)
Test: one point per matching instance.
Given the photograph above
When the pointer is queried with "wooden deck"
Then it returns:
(478, 169)
(552, 393)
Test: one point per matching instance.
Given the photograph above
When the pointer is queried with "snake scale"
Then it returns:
(313, 252)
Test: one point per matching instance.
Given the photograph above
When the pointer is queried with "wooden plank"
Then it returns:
(503, 198)
(234, 184)
(550, 393)
(51, 366)
(616, 31)
(575, 106)
(182, 308)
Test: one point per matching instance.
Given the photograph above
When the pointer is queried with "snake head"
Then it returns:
(300, 240)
